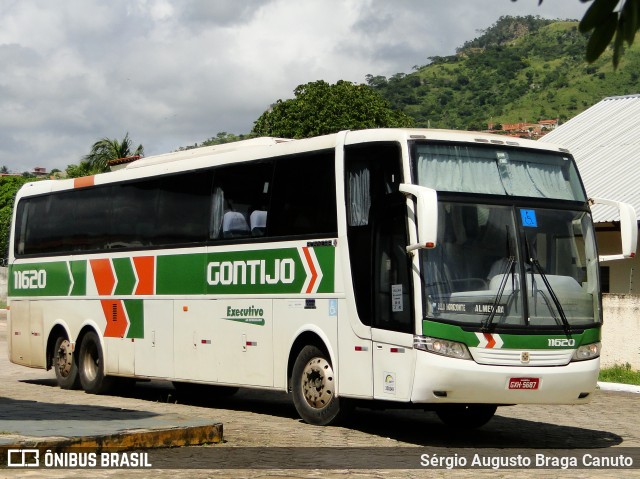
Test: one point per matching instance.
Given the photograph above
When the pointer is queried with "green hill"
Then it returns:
(522, 69)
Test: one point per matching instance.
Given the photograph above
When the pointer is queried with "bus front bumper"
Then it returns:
(439, 379)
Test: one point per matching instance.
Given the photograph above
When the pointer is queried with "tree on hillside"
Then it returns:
(605, 22)
(505, 30)
(221, 138)
(106, 149)
(321, 108)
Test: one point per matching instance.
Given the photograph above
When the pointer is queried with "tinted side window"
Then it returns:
(83, 218)
(240, 200)
(134, 219)
(162, 211)
(289, 196)
(304, 196)
(66, 222)
(184, 208)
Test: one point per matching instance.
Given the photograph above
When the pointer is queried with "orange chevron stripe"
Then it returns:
(116, 319)
(145, 268)
(490, 341)
(314, 273)
(103, 275)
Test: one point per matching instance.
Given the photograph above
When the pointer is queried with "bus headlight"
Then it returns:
(443, 347)
(587, 351)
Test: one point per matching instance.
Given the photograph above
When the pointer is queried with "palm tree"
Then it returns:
(108, 149)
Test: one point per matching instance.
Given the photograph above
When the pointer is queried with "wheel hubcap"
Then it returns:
(64, 358)
(91, 363)
(317, 383)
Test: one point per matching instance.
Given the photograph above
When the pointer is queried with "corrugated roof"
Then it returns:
(605, 142)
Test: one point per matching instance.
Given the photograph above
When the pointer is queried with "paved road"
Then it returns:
(258, 418)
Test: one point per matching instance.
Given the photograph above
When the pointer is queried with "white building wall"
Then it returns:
(624, 274)
(621, 330)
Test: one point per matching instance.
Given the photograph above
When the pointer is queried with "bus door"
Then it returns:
(245, 341)
(154, 354)
(392, 325)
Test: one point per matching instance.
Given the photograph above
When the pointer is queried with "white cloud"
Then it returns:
(176, 72)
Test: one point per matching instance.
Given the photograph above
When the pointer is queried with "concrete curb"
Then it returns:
(129, 440)
(627, 388)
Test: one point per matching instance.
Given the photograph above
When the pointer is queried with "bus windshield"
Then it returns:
(503, 264)
(511, 266)
(488, 169)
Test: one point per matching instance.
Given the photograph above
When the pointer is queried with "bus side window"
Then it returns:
(239, 191)
(371, 172)
(391, 265)
(21, 224)
(304, 196)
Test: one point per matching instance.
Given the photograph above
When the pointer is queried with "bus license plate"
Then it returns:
(524, 383)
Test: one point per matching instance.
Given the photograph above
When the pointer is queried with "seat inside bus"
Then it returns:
(234, 225)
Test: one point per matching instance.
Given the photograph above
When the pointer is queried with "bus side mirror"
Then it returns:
(426, 214)
(628, 228)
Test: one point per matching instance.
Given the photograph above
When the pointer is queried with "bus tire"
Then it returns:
(91, 366)
(64, 364)
(466, 416)
(313, 386)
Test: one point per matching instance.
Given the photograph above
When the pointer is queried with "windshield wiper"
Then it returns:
(545, 280)
(556, 301)
(488, 321)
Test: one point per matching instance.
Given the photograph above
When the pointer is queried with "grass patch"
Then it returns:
(620, 373)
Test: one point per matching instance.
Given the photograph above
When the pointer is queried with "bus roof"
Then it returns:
(206, 151)
(267, 147)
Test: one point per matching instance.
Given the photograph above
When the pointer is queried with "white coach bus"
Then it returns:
(452, 271)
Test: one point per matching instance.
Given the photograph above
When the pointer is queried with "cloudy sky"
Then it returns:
(176, 72)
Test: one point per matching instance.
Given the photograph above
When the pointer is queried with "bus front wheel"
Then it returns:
(313, 386)
(64, 364)
(466, 416)
(91, 365)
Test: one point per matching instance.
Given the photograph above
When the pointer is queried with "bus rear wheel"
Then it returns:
(64, 364)
(91, 366)
(466, 416)
(314, 387)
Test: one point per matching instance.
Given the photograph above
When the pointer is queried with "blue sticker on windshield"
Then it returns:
(529, 218)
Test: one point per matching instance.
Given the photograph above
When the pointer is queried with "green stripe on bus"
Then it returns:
(273, 271)
(180, 274)
(40, 279)
(125, 276)
(307, 270)
(79, 274)
(135, 312)
(510, 341)
(327, 260)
